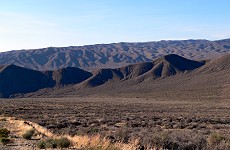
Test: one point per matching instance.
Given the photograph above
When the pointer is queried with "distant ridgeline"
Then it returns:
(113, 55)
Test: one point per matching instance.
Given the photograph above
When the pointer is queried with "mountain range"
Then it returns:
(170, 75)
(115, 55)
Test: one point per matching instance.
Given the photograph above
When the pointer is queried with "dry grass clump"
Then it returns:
(96, 142)
(216, 141)
(91, 142)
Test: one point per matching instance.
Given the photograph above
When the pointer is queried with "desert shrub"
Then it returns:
(223, 145)
(176, 140)
(160, 139)
(54, 143)
(63, 142)
(4, 140)
(4, 133)
(3, 119)
(217, 140)
(92, 130)
(122, 135)
(41, 144)
(28, 134)
(187, 140)
(50, 143)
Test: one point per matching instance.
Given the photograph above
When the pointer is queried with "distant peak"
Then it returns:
(3, 67)
(172, 56)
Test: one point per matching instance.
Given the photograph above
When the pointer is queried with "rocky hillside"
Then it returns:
(162, 67)
(112, 55)
(170, 74)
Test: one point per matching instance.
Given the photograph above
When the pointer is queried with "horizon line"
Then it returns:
(114, 43)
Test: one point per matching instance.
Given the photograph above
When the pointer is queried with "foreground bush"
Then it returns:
(28, 134)
(4, 134)
(54, 143)
(218, 141)
(216, 138)
(63, 142)
(4, 140)
(161, 140)
(49, 143)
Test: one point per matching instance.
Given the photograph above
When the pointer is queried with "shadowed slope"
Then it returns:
(18, 80)
(104, 76)
(70, 75)
(14, 79)
(221, 63)
(172, 64)
(160, 68)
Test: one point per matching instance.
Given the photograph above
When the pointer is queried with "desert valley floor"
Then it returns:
(187, 123)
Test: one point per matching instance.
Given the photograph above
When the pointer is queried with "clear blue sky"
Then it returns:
(28, 24)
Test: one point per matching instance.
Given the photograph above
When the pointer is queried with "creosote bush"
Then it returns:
(160, 139)
(54, 143)
(216, 138)
(28, 134)
(63, 142)
(4, 134)
(41, 144)
(4, 140)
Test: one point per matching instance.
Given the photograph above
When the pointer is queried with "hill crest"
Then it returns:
(162, 67)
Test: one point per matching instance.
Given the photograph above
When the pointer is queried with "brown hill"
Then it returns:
(177, 80)
(69, 75)
(168, 77)
(113, 55)
(221, 63)
(14, 79)
(18, 80)
(160, 68)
